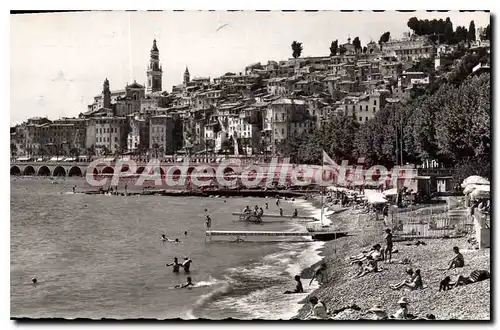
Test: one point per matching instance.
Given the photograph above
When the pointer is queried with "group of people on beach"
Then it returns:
(367, 262)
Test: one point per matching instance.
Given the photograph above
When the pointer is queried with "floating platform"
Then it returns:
(319, 236)
(277, 216)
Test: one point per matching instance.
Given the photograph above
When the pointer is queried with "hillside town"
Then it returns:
(255, 112)
(355, 185)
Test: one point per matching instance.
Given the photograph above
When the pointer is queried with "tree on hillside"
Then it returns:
(357, 44)
(334, 47)
(436, 30)
(464, 129)
(365, 50)
(461, 34)
(384, 38)
(296, 49)
(448, 30)
(486, 33)
(342, 50)
(335, 137)
(471, 36)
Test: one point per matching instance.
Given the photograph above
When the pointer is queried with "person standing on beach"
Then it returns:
(320, 274)
(298, 288)
(385, 213)
(281, 212)
(388, 246)
(267, 206)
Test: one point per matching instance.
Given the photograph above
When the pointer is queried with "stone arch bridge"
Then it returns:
(81, 169)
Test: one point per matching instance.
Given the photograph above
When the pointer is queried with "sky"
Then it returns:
(60, 60)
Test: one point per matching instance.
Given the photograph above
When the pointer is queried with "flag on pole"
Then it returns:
(330, 162)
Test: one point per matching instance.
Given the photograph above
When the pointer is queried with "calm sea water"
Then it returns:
(101, 256)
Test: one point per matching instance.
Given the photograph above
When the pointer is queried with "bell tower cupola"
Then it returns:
(154, 72)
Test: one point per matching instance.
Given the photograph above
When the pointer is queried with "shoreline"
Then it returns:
(342, 290)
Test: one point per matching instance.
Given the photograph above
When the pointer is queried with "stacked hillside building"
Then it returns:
(256, 111)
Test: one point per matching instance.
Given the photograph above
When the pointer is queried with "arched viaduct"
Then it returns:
(80, 169)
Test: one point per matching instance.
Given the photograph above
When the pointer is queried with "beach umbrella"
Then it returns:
(391, 192)
(474, 179)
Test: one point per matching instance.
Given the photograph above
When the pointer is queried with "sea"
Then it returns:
(99, 256)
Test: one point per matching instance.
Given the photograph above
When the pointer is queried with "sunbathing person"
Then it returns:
(359, 270)
(445, 284)
(474, 277)
(375, 252)
(415, 284)
(378, 313)
(458, 260)
(371, 267)
(409, 278)
(318, 309)
(402, 312)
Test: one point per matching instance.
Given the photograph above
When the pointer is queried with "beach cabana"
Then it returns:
(480, 192)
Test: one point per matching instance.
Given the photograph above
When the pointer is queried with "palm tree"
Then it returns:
(296, 49)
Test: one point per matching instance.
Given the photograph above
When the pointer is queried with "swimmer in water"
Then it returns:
(185, 233)
(186, 264)
(176, 265)
(34, 280)
(177, 240)
(164, 238)
(189, 283)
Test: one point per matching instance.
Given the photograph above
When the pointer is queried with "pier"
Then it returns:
(320, 236)
(283, 218)
(220, 193)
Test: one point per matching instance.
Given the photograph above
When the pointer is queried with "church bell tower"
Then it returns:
(186, 76)
(154, 72)
(106, 94)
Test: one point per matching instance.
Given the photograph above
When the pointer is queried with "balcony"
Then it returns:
(435, 172)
